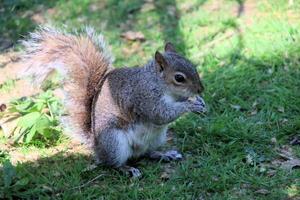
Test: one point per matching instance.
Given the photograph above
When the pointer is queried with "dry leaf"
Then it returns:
(290, 164)
(56, 174)
(167, 172)
(148, 6)
(3, 107)
(273, 140)
(133, 36)
(171, 10)
(281, 109)
(236, 107)
(262, 191)
(90, 168)
(8, 123)
(285, 152)
(253, 112)
(255, 103)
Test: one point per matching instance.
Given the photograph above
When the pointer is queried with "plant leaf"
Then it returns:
(30, 134)
(9, 172)
(29, 120)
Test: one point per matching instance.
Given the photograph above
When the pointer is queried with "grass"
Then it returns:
(249, 62)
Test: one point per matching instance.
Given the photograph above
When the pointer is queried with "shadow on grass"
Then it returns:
(16, 19)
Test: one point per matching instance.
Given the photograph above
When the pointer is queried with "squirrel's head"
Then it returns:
(179, 73)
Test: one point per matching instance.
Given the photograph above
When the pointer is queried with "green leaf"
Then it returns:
(29, 119)
(30, 134)
(22, 182)
(23, 106)
(42, 123)
(9, 172)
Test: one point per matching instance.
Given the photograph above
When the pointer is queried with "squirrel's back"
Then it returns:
(82, 59)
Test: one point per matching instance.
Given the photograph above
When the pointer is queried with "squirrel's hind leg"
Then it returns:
(112, 148)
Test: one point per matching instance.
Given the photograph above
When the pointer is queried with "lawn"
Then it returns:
(246, 147)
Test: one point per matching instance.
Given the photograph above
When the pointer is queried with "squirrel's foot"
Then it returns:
(131, 171)
(171, 155)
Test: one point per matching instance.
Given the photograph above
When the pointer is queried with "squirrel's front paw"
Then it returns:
(165, 156)
(197, 105)
(173, 155)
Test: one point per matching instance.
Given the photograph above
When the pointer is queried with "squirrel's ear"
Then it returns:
(160, 60)
(170, 47)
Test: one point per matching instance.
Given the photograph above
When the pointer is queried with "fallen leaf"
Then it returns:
(236, 107)
(90, 168)
(148, 6)
(171, 10)
(3, 107)
(280, 109)
(168, 170)
(290, 164)
(47, 188)
(255, 103)
(253, 112)
(56, 174)
(262, 191)
(273, 140)
(285, 152)
(133, 36)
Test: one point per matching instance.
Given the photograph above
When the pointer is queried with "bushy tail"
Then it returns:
(82, 59)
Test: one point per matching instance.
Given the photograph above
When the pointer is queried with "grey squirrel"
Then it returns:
(122, 113)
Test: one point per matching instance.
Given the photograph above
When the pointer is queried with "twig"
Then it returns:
(87, 183)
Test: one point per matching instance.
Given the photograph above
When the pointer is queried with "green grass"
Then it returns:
(252, 80)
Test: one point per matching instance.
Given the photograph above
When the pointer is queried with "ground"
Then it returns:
(246, 147)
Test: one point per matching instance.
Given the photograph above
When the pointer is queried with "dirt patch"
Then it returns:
(33, 154)
(10, 69)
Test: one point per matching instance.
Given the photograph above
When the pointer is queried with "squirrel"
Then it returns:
(122, 113)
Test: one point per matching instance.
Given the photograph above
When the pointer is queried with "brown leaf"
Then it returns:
(3, 107)
(133, 36)
(167, 172)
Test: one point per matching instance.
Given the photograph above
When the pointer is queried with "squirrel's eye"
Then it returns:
(179, 78)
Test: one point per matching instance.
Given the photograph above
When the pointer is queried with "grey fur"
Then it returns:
(132, 98)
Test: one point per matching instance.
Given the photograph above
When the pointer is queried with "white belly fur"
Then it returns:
(146, 137)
